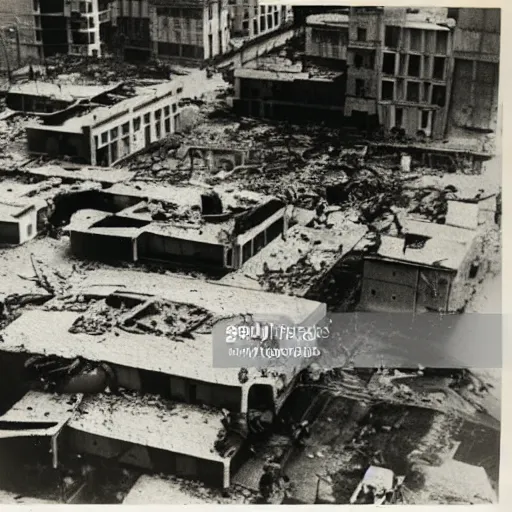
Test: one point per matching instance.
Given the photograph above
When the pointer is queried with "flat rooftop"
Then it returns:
(180, 207)
(17, 197)
(329, 19)
(47, 412)
(318, 249)
(149, 421)
(33, 332)
(216, 297)
(57, 91)
(76, 122)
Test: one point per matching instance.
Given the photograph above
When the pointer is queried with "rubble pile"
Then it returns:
(98, 319)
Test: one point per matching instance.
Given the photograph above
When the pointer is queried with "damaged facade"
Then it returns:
(476, 52)
(187, 226)
(41, 28)
(134, 424)
(429, 269)
(186, 30)
(124, 122)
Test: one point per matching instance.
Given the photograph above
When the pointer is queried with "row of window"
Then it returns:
(124, 129)
(419, 40)
(415, 92)
(173, 12)
(331, 37)
(414, 65)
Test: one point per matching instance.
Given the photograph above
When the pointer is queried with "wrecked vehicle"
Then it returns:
(379, 486)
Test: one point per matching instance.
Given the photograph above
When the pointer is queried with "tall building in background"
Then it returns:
(476, 51)
(20, 35)
(31, 30)
(183, 30)
(250, 19)
(399, 69)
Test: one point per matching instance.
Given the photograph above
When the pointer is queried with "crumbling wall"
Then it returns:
(388, 287)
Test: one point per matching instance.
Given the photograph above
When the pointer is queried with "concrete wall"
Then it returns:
(102, 247)
(166, 248)
(404, 288)
(326, 42)
(147, 458)
(19, 42)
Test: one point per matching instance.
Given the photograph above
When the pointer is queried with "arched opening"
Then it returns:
(261, 398)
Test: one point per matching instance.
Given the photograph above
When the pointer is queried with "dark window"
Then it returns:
(276, 18)
(113, 133)
(358, 61)
(104, 137)
(246, 252)
(167, 125)
(473, 271)
(147, 117)
(439, 95)
(263, 23)
(415, 39)
(399, 117)
(174, 107)
(373, 292)
(125, 128)
(167, 111)
(388, 90)
(360, 88)
(426, 92)
(388, 63)
(361, 34)
(113, 152)
(425, 114)
(439, 63)
(392, 37)
(413, 91)
(442, 42)
(229, 258)
(255, 26)
(210, 11)
(158, 114)
(414, 65)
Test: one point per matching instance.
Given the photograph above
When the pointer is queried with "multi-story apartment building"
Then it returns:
(33, 29)
(250, 19)
(187, 30)
(20, 35)
(476, 51)
(399, 70)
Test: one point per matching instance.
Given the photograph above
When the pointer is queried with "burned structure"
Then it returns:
(113, 126)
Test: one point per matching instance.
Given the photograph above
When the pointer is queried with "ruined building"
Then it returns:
(249, 19)
(476, 53)
(142, 340)
(35, 29)
(119, 123)
(186, 30)
(399, 70)
(188, 226)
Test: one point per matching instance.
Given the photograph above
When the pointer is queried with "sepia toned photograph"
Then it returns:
(250, 253)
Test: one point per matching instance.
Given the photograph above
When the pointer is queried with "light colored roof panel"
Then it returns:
(64, 92)
(324, 249)
(424, 25)
(213, 296)
(39, 407)
(440, 231)
(463, 215)
(261, 74)
(330, 19)
(436, 252)
(148, 421)
(35, 332)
